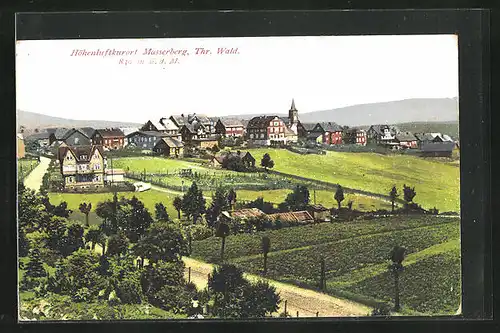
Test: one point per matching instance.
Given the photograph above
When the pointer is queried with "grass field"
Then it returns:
(148, 198)
(436, 182)
(356, 258)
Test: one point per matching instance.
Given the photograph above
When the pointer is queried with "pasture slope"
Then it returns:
(356, 259)
(436, 182)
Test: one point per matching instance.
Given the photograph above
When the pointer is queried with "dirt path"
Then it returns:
(306, 302)
(34, 179)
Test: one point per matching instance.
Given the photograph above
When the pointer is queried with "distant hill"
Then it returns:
(31, 120)
(404, 111)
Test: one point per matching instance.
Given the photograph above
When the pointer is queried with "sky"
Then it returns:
(261, 76)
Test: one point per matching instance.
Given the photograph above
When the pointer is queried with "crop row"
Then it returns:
(431, 285)
(348, 255)
(243, 245)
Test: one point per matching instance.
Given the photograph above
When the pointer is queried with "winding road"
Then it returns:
(308, 303)
(35, 177)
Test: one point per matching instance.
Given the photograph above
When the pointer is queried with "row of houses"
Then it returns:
(169, 136)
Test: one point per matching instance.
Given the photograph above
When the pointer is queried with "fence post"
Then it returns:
(285, 306)
(297, 314)
(317, 314)
(189, 274)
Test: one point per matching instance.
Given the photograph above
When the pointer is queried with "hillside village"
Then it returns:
(266, 176)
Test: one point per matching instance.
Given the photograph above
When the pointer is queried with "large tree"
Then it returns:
(85, 209)
(397, 256)
(193, 202)
(161, 242)
(178, 206)
(339, 195)
(80, 269)
(298, 199)
(118, 244)
(139, 219)
(235, 297)
(267, 162)
(408, 194)
(161, 213)
(219, 203)
(222, 232)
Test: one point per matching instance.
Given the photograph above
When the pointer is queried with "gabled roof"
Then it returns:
(300, 216)
(110, 132)
(260, 121)
(330, 127)
(193, 127)
(230, 122)
(88, 131)
(424, 136)
(83, 154)
(166, 124)
(308, 126)
(247, 213)
(405, 136)
(379, 129)
(179, 120)
(59, 133)
(72, 131)
(171, 142)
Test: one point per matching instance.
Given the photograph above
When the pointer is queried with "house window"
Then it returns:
(262, 136)
(251, 136)
(97, 166)
(76, 141)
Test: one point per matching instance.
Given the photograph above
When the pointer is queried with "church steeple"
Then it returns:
(293, 115)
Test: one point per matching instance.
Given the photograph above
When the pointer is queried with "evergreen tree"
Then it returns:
(34, 268)
(193, 202)
(339, 195)
(267, 162)
(161, 213)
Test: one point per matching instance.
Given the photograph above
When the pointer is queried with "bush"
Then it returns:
(200, 232)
